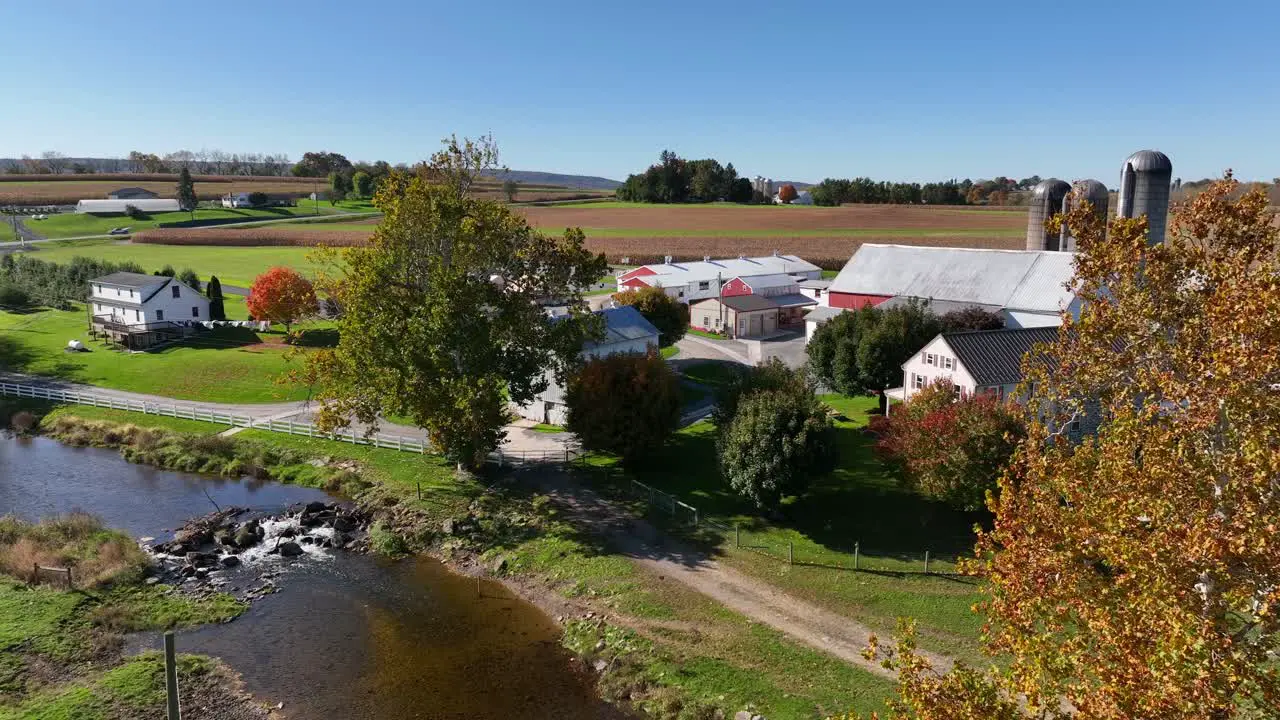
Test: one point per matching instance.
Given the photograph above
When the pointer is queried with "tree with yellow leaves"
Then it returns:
(1136, 574)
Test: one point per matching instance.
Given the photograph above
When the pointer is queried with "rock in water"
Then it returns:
(230, 561)
(315, 507)
(344, 524)
(290, 549)
(245, 537)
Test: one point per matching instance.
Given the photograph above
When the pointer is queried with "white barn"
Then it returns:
(626, 331)
(139, 310)
(699, 280)
(109, 207)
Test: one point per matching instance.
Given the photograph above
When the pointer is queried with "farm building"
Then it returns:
(626, 331)
(698, 280)
(137, 311)
(236, 200)
(816, 289)
(976, 362)
(735, 316)
(1028, 287)
(117, 207)
(816, 317)
(132, 193)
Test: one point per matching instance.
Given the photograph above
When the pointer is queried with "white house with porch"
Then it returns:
(978, 362)
(139, 310)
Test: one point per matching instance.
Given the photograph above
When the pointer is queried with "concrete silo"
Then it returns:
(1084, 190)
(1144, 190)
(1046, 200)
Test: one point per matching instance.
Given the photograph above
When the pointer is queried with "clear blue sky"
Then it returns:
(911, 90)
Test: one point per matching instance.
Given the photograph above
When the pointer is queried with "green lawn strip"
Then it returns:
(75, 224)
(545, 428)
(860, 503)
(712, 373)
(89, 412)
(705, 334)
(830, 274)
(224, 365)
(233, 265)
(669, 352)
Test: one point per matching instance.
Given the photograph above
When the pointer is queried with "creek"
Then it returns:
(347, 635)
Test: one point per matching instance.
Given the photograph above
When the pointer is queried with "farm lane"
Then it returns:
(666, 558)
(693, 347)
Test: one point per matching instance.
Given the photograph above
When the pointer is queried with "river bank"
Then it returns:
(651, 642)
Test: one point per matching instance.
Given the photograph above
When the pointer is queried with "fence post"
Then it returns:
(737, 535)
(71, 583)
(791, 553)
(35, 573)
(171, 676)
(856, 548)
(926, 562)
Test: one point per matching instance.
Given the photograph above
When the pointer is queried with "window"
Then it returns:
(917, 381)
(704, 285)
(949, 363)
(957, 390)
(930, 358)
(177, 291)
(1075, 425)
(98, 289)
(681, 294)
(137, 314)
(159, 315)
(195, 311)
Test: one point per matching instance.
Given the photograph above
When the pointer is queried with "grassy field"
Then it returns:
(860, 505)
(227, 365)
(233, 266)
(65, 225)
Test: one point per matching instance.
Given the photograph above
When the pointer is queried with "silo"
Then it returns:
(1084, 190)
(1046, 200)
(1144, 190)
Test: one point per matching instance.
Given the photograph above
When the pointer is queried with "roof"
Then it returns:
(133, 191)
(623, 324)
(822, 314)
(678, 273)
(793, 300)
(764, 281)
(118, 206)
(1030, 280)
(1149, 161)
(937, 307)
(748, 303)
(994, 357)
(129, 279)
(814, 284)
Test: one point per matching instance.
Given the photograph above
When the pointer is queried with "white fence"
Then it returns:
(193, 412)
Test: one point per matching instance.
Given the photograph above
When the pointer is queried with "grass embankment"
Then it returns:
(233, 265)
(860, 506)
(668, 648)
(230, 365)
(65, 225)
(59, 648)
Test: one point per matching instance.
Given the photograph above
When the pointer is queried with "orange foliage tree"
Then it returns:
(787, 193)
(1137, 574)
(281, 295)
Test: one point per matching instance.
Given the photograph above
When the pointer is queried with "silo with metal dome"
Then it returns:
(1046, 201)
(1144, 190)
(1091, 191)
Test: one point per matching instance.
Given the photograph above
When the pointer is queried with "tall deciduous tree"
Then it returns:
(362, 183)
(787, 194)
(186, 193)
(666, 313)
(1135, 575)
(281, 295)
(213, 291)
(861, 353)
(510, 188)
(777, 442)
(627, 404)
(440, 322)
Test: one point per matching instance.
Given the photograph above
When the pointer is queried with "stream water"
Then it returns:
(347, 636)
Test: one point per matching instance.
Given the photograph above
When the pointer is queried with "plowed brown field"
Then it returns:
(728, 218)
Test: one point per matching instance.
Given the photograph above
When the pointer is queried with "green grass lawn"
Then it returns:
(233, 265)
(705, 334)
(830, 274)
(669, 352)
(224, 367)
(860, 504)
(712, 373)
(545, 428)
(75, 224)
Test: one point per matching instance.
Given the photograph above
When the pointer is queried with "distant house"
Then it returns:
(132, 193)
(981, 362)
(626, 331)
(698, 280)
(117, 207)
(236, 200)
(735, 316)
(137, 311)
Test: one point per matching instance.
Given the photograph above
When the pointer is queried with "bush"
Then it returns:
(76, 540)
(668, 315)
(23, 422)
(777, 442)
(12, 296)
(133, 212)
(386, 541)
(258, 199)
(627, 404)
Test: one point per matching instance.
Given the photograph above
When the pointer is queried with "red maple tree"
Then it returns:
(281, 295)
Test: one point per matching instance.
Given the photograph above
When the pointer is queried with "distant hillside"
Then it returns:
(577, 182)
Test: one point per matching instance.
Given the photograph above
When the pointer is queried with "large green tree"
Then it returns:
(776, 443)
(667, 314)
(440, 319)
(861, 352)
(625, 403)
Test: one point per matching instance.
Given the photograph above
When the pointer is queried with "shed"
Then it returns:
(736, 316)
(117, 207)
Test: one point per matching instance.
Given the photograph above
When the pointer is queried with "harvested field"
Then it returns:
(267, 236)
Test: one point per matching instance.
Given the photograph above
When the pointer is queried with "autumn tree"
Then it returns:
(626, 403)
(948, 448)
(667, 314)
(1135, 574)
(440, 322)
(186, 192)
(787, 194)
(281, 295)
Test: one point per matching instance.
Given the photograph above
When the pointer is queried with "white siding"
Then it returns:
(162, 305)
(179, 308)
(917, 373)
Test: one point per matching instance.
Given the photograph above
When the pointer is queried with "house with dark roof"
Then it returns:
(132, 193)
(736, 316)
(136, 310)
(980, 362)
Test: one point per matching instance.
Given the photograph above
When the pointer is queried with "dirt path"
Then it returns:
(803, 621)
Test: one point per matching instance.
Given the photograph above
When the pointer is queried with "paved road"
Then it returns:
(693, 347)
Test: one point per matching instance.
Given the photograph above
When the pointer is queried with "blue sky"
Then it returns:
(915, 90)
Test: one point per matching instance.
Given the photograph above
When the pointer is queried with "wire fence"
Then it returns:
(286, 426)
(670, 511)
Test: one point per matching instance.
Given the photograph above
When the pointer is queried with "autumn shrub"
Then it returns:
(625, 403)
(23, 422)
(951, 448)
(76, 540)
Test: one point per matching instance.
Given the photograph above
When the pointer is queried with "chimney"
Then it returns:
(775, 253)
(666, 259)
(706, 258)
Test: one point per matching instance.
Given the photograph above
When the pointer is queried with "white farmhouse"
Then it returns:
(137, 310)
(979, 362)
(626, 331)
